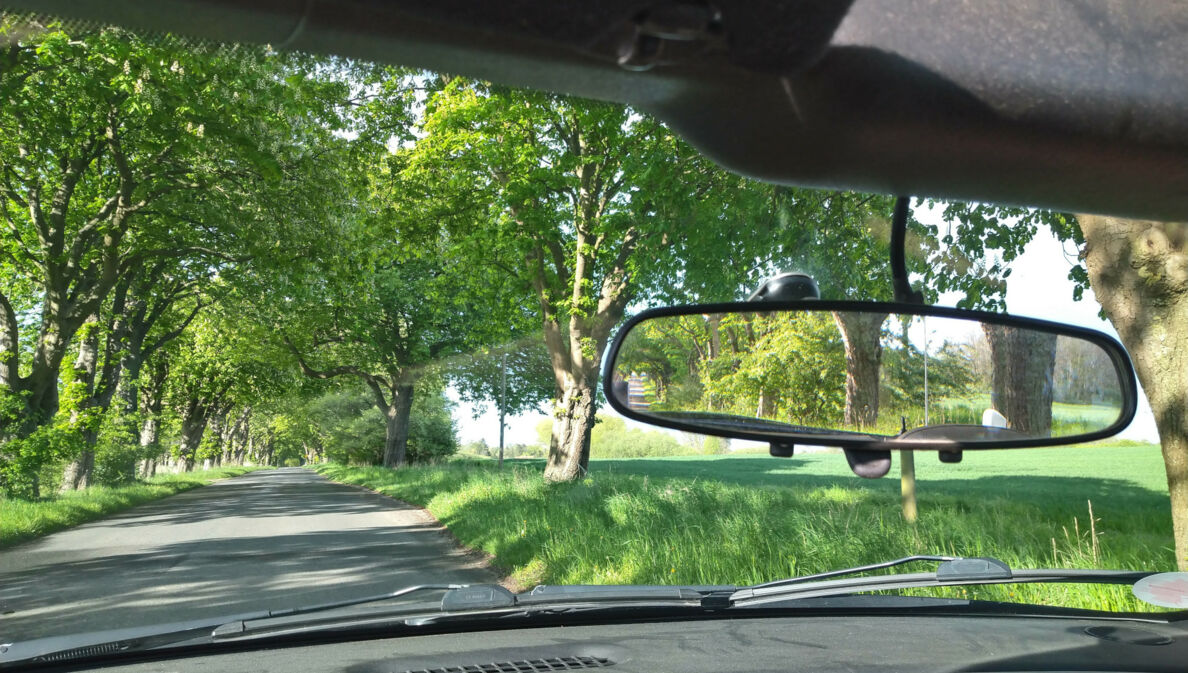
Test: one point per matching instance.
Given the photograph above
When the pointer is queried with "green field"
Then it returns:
(748, 518)
(22, 520)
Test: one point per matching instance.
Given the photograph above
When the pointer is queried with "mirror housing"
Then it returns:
(812, 344)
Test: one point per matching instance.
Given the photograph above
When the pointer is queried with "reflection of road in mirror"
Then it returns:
(821, 372)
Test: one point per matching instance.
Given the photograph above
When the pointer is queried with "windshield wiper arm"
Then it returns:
(951, 572)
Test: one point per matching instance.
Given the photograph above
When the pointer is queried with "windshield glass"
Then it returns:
(279, 329)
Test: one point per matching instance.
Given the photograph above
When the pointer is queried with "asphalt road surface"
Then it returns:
(265, 540)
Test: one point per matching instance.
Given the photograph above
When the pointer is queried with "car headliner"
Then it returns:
(1077, 105)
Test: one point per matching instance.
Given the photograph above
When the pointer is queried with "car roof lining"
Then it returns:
(1078, 106)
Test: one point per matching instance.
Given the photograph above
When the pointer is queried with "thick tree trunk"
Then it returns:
(77, 474)
(1139, 272)
(396, 431)
(41, 387)
(569, 447)
(193, 427)
(861, 334)
(1021, 380)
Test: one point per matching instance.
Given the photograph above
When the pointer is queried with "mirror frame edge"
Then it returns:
(1113, 348)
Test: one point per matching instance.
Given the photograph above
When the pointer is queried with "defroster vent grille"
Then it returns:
(523, 666)
(90, 651)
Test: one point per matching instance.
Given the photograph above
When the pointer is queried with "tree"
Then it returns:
(1135, 269)
(479, 377)
(588, 206)
(785, 367)
(979, 244)
(862, 335)
(388, 326)
(1139, 273)
(138, 304)
(1021, 381)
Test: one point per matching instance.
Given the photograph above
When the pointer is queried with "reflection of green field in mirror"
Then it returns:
(1067, 419)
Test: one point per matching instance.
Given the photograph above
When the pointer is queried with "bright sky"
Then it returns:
(1038, 287)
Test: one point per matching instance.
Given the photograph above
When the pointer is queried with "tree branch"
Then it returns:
(377, 392)
(172, 334)
(558, 254)
(343, 370)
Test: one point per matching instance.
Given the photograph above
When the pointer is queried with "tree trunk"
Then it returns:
(769, 401)
(77, 474)
(569, 446)
(1021, 379)
(193, 427)
(127, 393)
(41, 386)
(861, 333)
(150, 444)
(396, 431)
(1139, 272)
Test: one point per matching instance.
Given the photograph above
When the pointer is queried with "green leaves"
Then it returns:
(981, 240)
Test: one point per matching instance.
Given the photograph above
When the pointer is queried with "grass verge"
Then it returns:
(22, 520)
(747, 519)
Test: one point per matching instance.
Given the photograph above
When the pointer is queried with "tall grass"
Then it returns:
(22, 520)
(669, 521)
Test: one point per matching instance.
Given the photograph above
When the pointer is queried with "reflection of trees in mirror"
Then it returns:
(861, 333)
(665, 355)
(787, 367)
(1084, 375)
(1021, 381)
(861, 371)
(951, 376)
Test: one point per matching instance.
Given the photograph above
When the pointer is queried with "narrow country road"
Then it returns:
(266, 540)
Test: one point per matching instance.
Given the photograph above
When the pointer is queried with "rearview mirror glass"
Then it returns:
(863, 374)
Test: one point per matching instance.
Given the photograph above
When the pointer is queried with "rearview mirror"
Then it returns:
(869, 376)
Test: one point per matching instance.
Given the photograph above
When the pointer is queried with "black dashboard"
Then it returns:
(820, 644)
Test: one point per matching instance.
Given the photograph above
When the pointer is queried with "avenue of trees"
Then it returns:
(219, 254)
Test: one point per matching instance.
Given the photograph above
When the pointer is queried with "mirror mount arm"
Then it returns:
(903, 287)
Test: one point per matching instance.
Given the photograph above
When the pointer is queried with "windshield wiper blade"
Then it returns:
(481, 602)
(952, 571)
(376, 598)
(858, 569)
(138, 639)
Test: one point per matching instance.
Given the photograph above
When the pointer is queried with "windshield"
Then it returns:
(279, 329)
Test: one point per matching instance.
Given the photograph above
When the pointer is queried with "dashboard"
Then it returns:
(820, 644)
